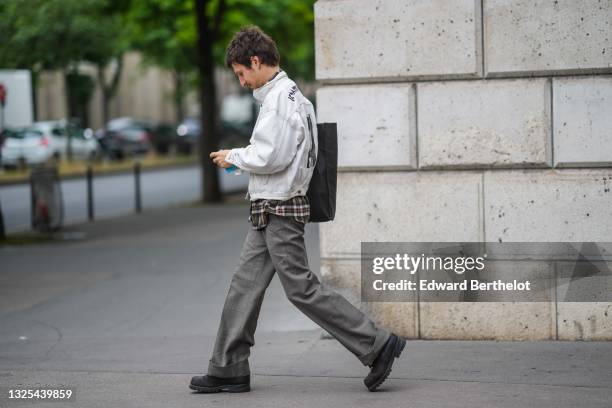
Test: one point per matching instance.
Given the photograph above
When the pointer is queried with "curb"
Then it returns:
(106, 173)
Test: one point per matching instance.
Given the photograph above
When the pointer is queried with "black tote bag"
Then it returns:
(322, 189)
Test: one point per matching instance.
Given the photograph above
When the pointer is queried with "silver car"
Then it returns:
(45, 141)
(28, 146)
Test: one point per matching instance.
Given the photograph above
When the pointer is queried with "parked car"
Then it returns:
(28, 146)
(125, 137)
(238, 115)
(163, 137)
(82, 142)
(45, 141)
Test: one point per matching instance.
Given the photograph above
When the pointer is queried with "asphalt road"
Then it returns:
(114, 195)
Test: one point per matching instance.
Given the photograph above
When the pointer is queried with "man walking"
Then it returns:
(280, 158)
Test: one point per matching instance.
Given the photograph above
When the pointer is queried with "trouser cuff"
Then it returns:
(381, 338)
(233, 370)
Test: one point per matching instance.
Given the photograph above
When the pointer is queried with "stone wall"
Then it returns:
(468, 120)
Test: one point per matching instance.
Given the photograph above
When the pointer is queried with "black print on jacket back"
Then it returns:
(292, 92)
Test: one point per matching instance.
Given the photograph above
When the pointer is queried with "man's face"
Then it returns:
(249, 77)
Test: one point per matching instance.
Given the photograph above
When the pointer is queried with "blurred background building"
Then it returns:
(144, 92)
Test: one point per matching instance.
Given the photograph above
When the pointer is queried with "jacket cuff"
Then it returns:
(231, 158)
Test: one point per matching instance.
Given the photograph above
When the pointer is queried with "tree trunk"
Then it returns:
(70, 109)
(179, 95)
(109, 91)
(105, 98)
(34, 90)
(208, 141)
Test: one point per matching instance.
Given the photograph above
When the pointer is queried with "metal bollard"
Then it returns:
(137, 187)
(90, 201)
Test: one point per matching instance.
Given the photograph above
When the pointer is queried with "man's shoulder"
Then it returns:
(285, 94)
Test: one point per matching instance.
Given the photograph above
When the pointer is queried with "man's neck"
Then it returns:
(274, 76)
(271, 73)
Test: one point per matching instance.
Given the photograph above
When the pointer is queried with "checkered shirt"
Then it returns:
(297, 207)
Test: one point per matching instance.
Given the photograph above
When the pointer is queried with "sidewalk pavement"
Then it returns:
(128, 314)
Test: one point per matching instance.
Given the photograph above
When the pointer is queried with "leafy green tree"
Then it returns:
(289, 22)
(208, 22)
(108, 46)
(164, 32)
(60, 34)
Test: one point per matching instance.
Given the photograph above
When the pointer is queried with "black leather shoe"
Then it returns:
(381, 367)
(208, 383)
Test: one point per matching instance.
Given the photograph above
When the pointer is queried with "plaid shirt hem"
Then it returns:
(297, 207)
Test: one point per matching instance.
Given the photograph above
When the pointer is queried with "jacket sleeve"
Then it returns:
(272, 147)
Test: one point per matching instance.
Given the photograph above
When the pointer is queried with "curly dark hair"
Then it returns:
(251, 41)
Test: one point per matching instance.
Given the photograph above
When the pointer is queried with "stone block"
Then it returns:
(376, 41)
(376, 124)
(402, 207)
(582, 121)
(567, 205)
(489, 123)
(547, 37)
(584, 320)
(488, 321)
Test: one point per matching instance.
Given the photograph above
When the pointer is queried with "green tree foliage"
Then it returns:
(55, 34)
(165, 31)
(60, 34)
(289, 22)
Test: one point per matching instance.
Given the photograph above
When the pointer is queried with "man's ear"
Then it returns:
(255, 62)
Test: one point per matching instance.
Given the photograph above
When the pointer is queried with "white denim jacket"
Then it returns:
(278, 154)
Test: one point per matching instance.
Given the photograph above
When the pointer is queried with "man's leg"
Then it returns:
(346, 323)
(241, 310)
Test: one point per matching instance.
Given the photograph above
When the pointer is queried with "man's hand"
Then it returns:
(218, 158)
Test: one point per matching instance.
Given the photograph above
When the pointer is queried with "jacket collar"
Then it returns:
(261, 92)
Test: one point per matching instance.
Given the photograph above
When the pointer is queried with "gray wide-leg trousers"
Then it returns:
(280, 247)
